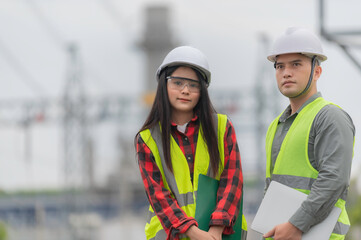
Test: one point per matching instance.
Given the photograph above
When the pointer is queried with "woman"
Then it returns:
(182, 138)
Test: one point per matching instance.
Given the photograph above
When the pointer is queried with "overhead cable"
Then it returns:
(58, 39)
(55, 35)
(110, 9)
(26, 77)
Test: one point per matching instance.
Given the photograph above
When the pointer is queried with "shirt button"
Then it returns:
(185, 138)
(189, 158)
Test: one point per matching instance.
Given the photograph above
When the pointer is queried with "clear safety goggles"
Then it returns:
(179, 83)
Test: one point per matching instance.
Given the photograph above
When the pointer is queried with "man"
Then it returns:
(309, 147)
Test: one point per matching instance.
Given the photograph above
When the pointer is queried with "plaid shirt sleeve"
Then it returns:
(231, 184)
(173, 219)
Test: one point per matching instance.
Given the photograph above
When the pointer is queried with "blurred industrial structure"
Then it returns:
(79, 210)
(349, 41)
(77, 114)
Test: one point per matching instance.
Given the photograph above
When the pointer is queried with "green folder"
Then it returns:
(206, 204)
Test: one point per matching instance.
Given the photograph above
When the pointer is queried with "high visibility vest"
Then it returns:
(292, 166)
(179, 183)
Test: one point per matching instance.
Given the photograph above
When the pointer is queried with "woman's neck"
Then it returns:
(180, 118)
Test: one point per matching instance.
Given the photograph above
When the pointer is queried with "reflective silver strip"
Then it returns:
(185, 199)
(209, 172)
(244, 235)
(293, 181)
(160, 235)
(215, 122)
(182, 199)
(341, 228)
(183, 235)
(268, 181)
(344, 195)
(150, 215)
(297, 182)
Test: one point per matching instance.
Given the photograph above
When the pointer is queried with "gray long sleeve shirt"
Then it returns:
(330, 151)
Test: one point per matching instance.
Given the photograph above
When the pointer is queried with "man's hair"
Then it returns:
(318, 62)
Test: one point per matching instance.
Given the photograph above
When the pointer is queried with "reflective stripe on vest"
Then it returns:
(292, 166)
(297, 182)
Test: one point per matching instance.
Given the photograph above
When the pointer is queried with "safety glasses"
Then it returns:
(179, 83)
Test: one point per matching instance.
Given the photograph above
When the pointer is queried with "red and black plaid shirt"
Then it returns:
(173, 219)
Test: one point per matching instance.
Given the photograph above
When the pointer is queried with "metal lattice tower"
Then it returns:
(77, 143)
(346, 40)
(267, 103)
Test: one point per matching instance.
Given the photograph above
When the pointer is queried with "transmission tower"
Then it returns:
(78, 162)
(346, 40)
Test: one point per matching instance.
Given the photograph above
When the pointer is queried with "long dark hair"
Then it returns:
(161, 112)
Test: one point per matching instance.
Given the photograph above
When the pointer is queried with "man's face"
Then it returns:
(292, 74)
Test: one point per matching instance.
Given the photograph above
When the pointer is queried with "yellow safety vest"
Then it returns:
(292, 166)
(179, 183)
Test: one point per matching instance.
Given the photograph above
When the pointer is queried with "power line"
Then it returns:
(114, 15)
(122, 23)
(49, 28)
(26, 77)
(59, 40)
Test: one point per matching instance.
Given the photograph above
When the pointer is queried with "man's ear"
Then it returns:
(317, 72)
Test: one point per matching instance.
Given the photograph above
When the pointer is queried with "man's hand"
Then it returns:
(284, 231)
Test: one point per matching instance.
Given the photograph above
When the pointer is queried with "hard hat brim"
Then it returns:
(206, 74)
(320, 57)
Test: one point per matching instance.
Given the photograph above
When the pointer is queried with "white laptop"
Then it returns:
(280, 203)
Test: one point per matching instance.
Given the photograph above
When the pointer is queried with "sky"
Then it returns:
(34, 61)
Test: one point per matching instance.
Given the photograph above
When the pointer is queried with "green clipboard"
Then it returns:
(206, 203)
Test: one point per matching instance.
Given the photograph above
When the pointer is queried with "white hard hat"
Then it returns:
(297, 40)
(189, 56)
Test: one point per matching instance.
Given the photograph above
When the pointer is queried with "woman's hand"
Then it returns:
(194, 233)
(216, 232)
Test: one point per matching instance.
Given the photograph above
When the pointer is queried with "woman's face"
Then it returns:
(183, 90)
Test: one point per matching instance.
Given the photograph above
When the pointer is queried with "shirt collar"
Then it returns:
(287, 113)
(195, 118)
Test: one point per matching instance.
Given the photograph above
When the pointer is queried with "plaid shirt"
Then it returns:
(173, 219)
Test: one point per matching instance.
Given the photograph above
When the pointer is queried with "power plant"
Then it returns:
(89, 199)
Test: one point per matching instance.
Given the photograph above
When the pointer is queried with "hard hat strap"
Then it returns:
(313, 63)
